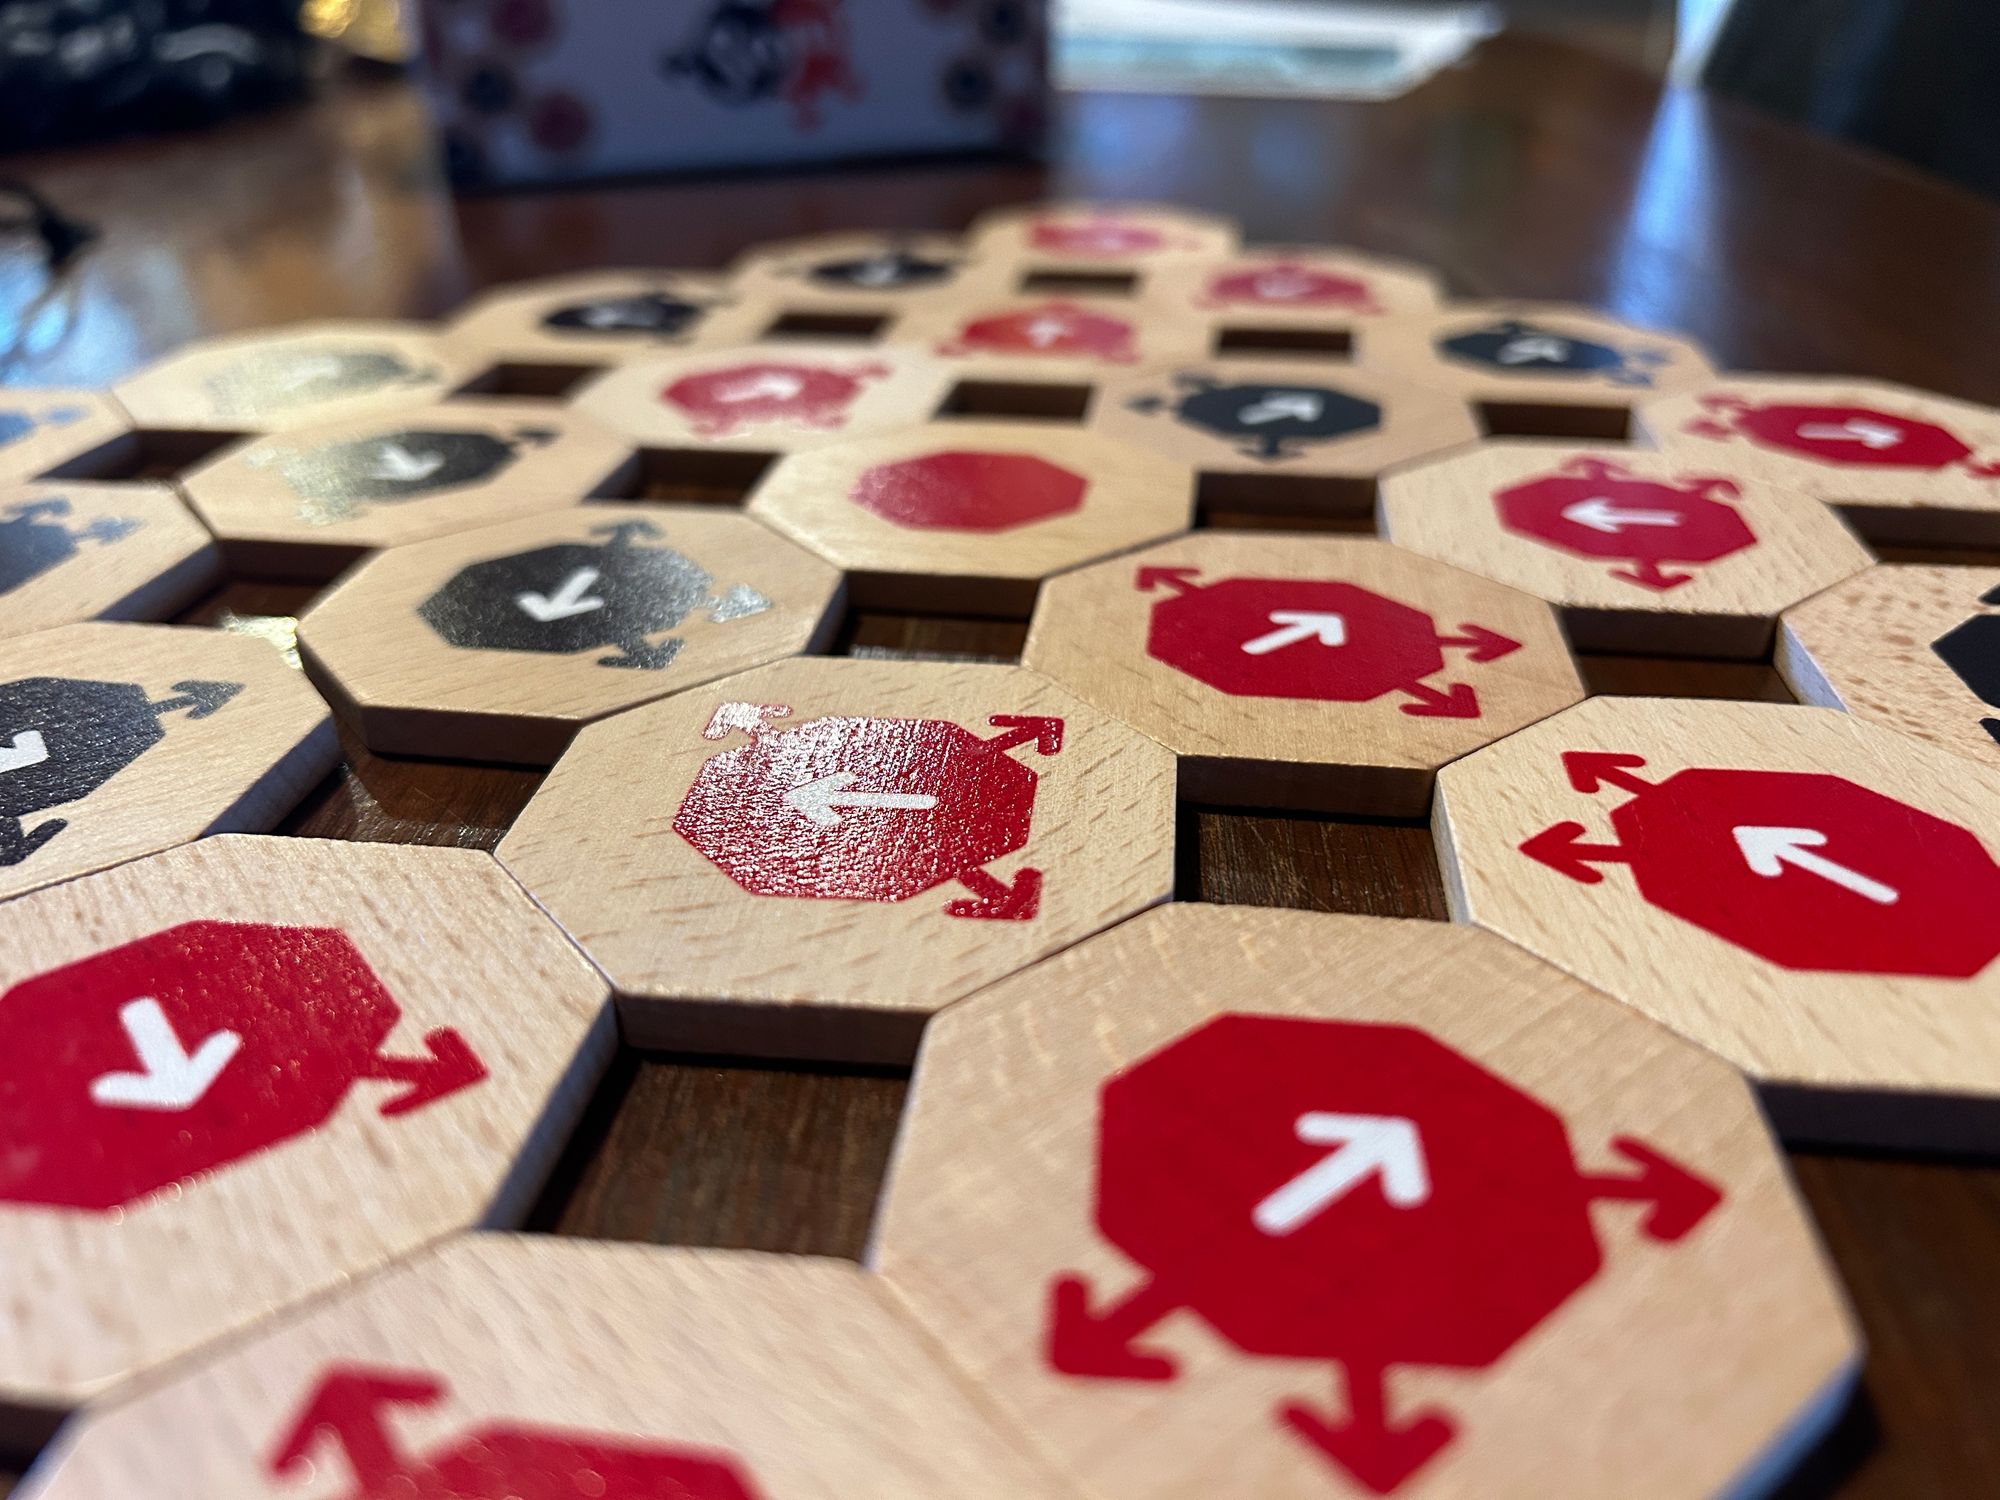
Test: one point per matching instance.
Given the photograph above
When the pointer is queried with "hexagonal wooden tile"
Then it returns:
(601, 318)
(296, 376)
(241, 1072)
(119, 740)
(309, 502)
(1642, 551)
(871, 273)
(1903, 464)
(71, 552)
(63, 434)
(1076, 238)
(768, 398)
(809, 859)
(1917, 649)
(970, 517)
(1332, 673)
(1056, 338)
(1247, 1202)
(1809, 894)
(544, 1369)
(499, 644)
(1541, 361)
(1282, 436)
(1297, 286)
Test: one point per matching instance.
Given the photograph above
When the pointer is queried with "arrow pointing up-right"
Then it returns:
(28, 749)
(1365, 1146)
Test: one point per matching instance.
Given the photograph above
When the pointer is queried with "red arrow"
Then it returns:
(1680, 1200)
(1046, 733)
(1557, 847)
(347, 1406)
(1082, 1341)
(1379, 1455)
(1485, 645)
(1650, 575)
(1592, 770)
(993, 900)
(1180, 580)
(1458, 701)
(449, 1066)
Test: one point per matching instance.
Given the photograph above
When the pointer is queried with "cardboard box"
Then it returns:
(554, 90)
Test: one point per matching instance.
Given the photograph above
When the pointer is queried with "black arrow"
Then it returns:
(200, 699)
(624, 533)
(16, 843)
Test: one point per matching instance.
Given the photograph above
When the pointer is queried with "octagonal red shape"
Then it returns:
(1223, 633)
(1056, 328)
(1851, 436)
(1196, 1136)
(1870, 885)
(857, 809)
(961, 491)
(306, 1013)
(1108, 237)
(1608, 513)
(1285, 284)
(719, 402)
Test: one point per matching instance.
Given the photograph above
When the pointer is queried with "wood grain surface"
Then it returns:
(1534, 172)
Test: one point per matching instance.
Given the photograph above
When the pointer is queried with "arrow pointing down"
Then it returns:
(1768, 850)
(395, 462)
(28, 749)
(568, 600)
(823, 798)
(1365, 1146)
(1295, 625)
(1607, 516)
(172, 1078)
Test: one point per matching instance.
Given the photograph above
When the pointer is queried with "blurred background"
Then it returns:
(1909, 77)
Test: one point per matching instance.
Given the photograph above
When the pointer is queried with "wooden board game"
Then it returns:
(788, 823)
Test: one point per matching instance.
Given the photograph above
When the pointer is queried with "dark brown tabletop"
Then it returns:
(1533, 171)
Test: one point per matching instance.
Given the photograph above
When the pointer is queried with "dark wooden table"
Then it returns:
(1534, 172)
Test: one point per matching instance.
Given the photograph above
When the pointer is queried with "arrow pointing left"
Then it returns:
(1364, 1146)
(28, 749)
(824, 798)
(171, 1078)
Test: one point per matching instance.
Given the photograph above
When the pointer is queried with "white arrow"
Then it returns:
(1534, 346)
(822, 799)
(1047, 329)
(1607, 516)
(1295, 625)
(172, 1078)
(875, 272)
(395, 462)
(774, 385)
(28, 749)
(1304, 406)
(609, 315)
(1282, 286)
(1853, 430)
(309, 369)
(565, 601)
(1768, 850)
(1365, 1146)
